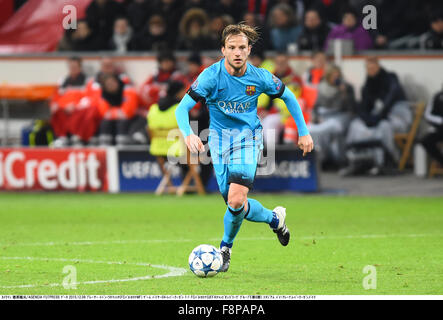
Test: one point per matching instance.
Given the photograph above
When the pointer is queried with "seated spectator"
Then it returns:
(284, 29)
(73, 120)
(276, 113)
(216, 27)
(233, 8)
(434, 115)
(171, 11)
(155, 86)
(331, 115)
(254, 21)
(194, 31)
(314, 32)
(122, 38)
(154, 36)
(202, 4)
(331, 9)
(139, 12)
(382, 112)
(194, 68)
(350, 29)
(433, 39)
(312, 77)
(80, 39)
(101, 15)
(94, 86)
(117, 106)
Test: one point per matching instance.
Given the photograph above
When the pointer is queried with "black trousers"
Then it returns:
(113, 132)
(431, 143)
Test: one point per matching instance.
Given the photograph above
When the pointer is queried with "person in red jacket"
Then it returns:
(73, 119)
(117, 105)
(156, 85)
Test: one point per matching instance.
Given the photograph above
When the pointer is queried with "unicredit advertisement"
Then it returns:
(53, 169)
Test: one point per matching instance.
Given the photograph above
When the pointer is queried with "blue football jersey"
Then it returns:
(231, 100)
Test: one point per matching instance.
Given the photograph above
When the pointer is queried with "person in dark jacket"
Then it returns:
(101, 15)
(434, 115)
(433, 39)
(383, 112)
(314, 32)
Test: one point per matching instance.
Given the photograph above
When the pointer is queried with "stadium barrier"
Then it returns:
(135, 170)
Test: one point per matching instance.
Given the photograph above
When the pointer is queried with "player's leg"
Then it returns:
(232, 221)
(275, 218)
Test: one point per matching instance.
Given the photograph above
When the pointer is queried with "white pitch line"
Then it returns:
(147, 241)
(173, 271)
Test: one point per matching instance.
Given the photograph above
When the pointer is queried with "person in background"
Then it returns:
(161, 119)
(95, 84)
(274, 113)
(330, 9)
(122, 38)
(117, 105)
(255, 21)
(155, 86)
(350, 29)
(171, 11)
(311, 78)
(80, 39)
(284, 29)
(199, 113)
(314, 32)
(154, 36)
(433, 39)
(101, 15)
(216, 25)
(331, 116)
(382, 112)
(434, 116)
(139, 12)
(73, 120)
(233, 8)
(194, 31)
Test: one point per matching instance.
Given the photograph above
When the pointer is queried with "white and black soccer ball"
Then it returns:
(205, 261)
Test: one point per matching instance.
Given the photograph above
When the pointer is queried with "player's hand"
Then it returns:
(306, 144)
(194, 143)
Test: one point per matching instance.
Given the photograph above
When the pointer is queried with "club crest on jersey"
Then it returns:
(250, 90)
(277, 81)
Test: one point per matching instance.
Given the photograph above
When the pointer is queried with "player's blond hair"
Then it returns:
(241, 28)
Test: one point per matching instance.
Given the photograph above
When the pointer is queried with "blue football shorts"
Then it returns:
(236, 163)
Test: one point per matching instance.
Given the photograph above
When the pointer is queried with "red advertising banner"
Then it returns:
(53, 169)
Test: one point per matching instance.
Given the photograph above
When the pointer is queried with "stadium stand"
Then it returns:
(136, 31)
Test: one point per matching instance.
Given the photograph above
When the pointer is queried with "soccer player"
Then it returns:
(230, 89)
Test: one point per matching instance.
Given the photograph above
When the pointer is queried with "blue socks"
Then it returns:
(234, 217)
(232, 222)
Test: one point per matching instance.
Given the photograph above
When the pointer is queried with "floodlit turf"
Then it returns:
(139, 244)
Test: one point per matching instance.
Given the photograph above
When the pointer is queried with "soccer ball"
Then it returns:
(205, 261)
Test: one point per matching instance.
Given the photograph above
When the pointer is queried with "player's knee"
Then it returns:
(236, 201)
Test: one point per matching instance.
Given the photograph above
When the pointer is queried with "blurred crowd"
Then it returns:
(145, 25)
(350, 136)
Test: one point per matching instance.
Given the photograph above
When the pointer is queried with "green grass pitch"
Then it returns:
(130, 244)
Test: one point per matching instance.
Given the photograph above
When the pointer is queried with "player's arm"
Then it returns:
(305, 141)
(192, 141)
